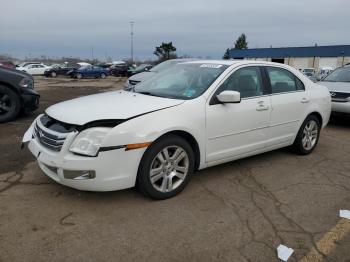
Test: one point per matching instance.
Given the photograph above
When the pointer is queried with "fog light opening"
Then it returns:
(79, 174)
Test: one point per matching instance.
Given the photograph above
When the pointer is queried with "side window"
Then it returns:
(246, 80)
(282, 80)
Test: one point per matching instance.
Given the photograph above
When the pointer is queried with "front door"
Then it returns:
(238, 128)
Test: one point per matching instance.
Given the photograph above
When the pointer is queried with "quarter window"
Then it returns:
(247, 81)
(282, 80)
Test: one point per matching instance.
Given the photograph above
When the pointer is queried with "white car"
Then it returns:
(34, 69)
(192, 116)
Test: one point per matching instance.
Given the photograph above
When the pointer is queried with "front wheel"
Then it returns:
(79, 76)
(165, 168)
(53, 74)
(103, 75)
(308, 135)
(10, 104)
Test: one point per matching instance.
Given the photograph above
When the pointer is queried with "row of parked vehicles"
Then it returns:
(80, 70)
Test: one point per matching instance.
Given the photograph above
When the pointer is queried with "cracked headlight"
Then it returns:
(89, 141)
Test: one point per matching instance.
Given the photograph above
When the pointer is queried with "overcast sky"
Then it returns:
(196, 27)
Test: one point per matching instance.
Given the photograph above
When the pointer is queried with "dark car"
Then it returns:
(90, 71)
(16, 94)
(119, 70)
(59, 70)
(141, 68)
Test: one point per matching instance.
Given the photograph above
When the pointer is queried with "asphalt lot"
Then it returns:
(239, 211)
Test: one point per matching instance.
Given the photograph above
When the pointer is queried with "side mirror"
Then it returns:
(229, 97)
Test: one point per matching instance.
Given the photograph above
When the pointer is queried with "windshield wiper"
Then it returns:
(146, 93)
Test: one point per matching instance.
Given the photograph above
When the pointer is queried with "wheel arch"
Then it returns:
(192, 142)
(318, 115)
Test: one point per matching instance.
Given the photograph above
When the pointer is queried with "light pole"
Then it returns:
(132, 41)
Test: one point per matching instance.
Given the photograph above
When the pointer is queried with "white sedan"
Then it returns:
(34, 69)
(189, 117)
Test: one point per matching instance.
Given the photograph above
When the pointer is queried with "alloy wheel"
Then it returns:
(310, 134)
(169, 168)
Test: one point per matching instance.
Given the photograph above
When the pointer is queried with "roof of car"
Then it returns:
(233, 62)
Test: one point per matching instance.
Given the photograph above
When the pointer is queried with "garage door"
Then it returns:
(328, 62)
(300, 62)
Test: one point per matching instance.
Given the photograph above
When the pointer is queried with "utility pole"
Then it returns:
(92, 53)
(132, 41)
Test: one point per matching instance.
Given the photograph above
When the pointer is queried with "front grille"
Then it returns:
(133, 82)
(47, 137)
(340, 97)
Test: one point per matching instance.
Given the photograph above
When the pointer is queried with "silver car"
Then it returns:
(135, 79)
(338, 83)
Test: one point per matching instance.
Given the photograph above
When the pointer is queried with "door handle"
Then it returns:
(304, 100)
(261, 106)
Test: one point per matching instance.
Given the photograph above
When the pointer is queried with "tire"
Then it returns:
(165, 171)
(10, 104)
(53, 74)
(308, 136)
(103, 75)
(79, 76)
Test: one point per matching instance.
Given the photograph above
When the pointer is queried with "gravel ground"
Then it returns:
(239, 211)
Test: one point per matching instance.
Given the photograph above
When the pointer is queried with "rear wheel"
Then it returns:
(103, 75)
(79, 76)
(9, 104)
(165, 168)
(53, 74)
(308, 135)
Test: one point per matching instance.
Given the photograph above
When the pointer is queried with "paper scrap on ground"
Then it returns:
(344, 214)
(284, 252)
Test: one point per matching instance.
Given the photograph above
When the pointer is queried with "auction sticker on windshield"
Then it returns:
(211, 66)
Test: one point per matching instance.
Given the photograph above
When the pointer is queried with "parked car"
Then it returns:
(191, 116)
(57, 70)
(34, 69)
(338, 83)
(141, 68)
(7, 64)
(122, 69)
(27, 63)
(90, 71)
(16, 94)
(137, 78)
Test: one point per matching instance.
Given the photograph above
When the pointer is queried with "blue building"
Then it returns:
(299, 57)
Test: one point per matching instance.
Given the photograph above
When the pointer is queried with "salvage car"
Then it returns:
(338, 83)
(58, 70)
(34, 69)
(16, 94)
(90, 71)
(192, 116)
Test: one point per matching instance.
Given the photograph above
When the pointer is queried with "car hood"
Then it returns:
(141, 76)
(115, 105)
(342, 87)
(15, 72)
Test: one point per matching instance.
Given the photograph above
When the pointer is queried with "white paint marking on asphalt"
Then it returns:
(344, 214)
(284, 252)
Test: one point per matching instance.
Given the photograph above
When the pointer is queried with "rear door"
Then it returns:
(289, 101)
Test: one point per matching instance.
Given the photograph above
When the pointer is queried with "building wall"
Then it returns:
(311, 62)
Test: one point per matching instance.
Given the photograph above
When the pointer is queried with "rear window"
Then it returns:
(283, 81)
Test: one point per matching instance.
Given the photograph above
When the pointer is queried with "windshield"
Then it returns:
(339, 75)
(141, 67)
(165, 65)
(182, 81)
